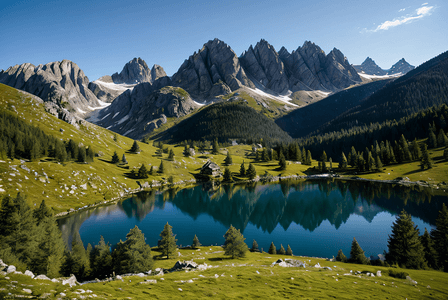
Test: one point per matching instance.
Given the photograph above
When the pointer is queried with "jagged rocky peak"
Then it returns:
(370, 67)
(214, 70)
(62, 83)
(133, 72)
(283, 52)
(402, 66)
(264, 65)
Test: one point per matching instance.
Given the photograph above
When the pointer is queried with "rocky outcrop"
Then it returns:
(370, 67)
(213, 71)
(310, 69)
(138, 112)
(62, 83)
(264, 65)
(137, 71)
(402, 66)
(107, 88)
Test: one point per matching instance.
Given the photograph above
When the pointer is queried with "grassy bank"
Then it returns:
(250, 277)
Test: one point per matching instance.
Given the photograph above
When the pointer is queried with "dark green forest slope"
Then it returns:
(303, 121)
(424, 87)
(224, 121)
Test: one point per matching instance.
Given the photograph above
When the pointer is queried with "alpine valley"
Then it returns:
(230, 123)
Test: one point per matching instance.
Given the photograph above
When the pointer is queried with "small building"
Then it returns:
(211, 169)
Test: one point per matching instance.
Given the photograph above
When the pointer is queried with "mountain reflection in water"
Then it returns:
(305, 214)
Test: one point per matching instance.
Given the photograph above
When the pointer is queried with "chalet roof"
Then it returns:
(210, 165)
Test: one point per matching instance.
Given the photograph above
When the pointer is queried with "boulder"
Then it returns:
(10, 269)
(28, 291)
(42, 277)
(378, 273)
(29, 273)
(70, 281)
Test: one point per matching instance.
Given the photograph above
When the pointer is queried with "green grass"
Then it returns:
(251, 277)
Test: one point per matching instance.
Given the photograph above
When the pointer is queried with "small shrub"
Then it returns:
(397, 274)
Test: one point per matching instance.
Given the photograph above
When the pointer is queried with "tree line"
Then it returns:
(19, 139)
(409, 249)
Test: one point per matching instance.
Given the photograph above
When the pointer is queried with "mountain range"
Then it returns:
(140, 99)
(369, 67)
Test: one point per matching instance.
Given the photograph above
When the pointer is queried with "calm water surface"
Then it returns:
(316, 218)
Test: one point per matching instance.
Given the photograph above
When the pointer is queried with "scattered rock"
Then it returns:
(70, 281)
(28, 291)
(147, 281)
(45, 295)
(42, 277)
(29, 273)
(10, 269)
(411, 280)
(378, 273)
(140, 275)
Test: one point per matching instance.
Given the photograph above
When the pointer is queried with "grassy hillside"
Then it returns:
(250, 277)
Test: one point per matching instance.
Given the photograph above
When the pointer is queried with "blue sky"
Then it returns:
(101, 36)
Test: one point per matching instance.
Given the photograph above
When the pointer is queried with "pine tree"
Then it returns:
(282, 162)
(440, 238)
(151, 170)
(135, 147)
(282, 250)
(432, 140)
(251, 172)
(416, 151)
(143, 172)
(242, 170)
(82, 154)
(186, 151)
(161, 167)
(123, 159)
(132, 255)
(215, 149)
(234, 244)
(115, 158)
(289, 250)
(228, 159)
(265, 154)
(171, 155)
(404, 244)
(227, 177)
(426, 162)
(343, 163)
(101, 260)
(428, 248)
(167, 241)
(357, 254)
(254, 247)
(196, 244)
(308, 158)
(76, 262)
(341, 257)
(442, 140)
(272, 249)
(42, 212)
(49, 253)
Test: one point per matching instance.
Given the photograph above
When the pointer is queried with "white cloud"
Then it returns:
(418, 14)
(426, 3)
(403, 9)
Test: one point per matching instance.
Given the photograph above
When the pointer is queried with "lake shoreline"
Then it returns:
(265, 180)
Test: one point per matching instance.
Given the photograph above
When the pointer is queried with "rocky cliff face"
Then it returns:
(214, 70)
(264, 65)
(370, 67)
(62, 83)
(138, 112)
(402, 66)
(310, 69)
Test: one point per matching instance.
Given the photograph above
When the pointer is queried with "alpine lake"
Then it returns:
(315, 217)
